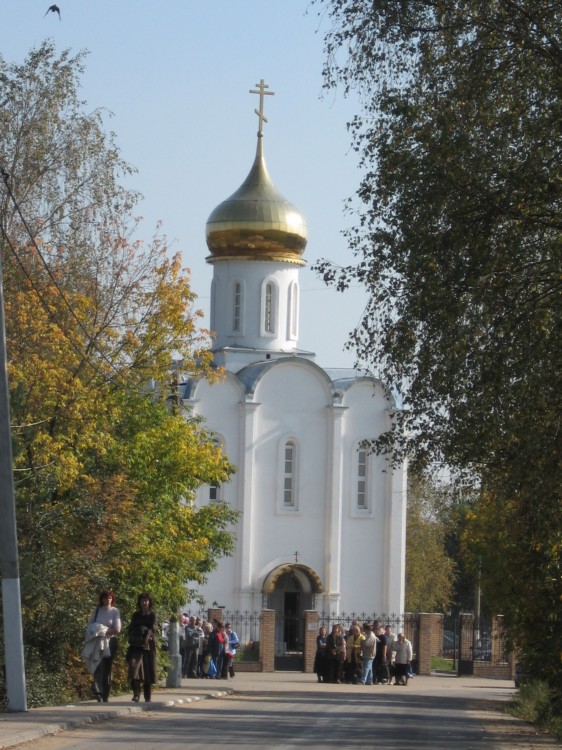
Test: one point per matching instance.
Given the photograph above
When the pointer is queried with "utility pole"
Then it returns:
(11, 600)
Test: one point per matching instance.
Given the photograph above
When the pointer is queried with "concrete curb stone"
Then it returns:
(14, 730)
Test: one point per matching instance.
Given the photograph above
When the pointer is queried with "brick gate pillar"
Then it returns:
(498, 635)
(310, 633)
(214, 613)
(430, 629)
(267, 640)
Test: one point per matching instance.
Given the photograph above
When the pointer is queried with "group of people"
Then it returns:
(207, 649)
(367, 654)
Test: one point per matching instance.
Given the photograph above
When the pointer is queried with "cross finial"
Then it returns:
(296, 553)
(261, 90)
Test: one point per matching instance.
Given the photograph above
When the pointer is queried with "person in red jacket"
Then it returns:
(217, 648)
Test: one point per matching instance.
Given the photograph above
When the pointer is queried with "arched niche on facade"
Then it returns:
(308, 580)
(290, 590)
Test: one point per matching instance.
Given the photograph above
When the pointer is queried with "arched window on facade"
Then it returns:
(362, 479)
(289, 474)
(237, 307)
(215, 493)
(293, 311)
(215, 490)
(213, 305)
(269, 308)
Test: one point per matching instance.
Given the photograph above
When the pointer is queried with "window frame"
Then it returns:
(293, 311)
(292, 476)
(269, 308)
(237, 308)
(216, 488)
(361, 481)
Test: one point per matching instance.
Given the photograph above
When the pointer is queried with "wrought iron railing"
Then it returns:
(406, 623)
(468, 638)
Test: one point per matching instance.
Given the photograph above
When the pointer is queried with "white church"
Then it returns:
(322, 520)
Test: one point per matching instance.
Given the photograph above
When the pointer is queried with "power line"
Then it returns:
(77, 348)
(89, 338)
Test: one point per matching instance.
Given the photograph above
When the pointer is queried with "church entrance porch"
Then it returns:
(290, 590)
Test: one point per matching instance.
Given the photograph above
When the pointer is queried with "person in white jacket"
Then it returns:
(403, 653)
(101, 644)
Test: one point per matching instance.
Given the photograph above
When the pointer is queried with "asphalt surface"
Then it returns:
(432, 712)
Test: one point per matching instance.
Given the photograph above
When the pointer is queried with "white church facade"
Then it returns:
(322, 520)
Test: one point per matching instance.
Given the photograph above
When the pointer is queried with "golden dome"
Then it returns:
(256, 222)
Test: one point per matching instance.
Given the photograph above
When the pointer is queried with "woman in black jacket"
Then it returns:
(335, 654)
(141, 654)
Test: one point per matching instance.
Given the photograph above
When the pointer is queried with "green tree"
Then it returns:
(458, 242)
(106, 462)
(430, 572)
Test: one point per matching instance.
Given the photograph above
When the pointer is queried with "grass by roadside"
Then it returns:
(441, 665)
(533, 703)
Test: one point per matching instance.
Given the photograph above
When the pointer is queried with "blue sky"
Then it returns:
(176, 75)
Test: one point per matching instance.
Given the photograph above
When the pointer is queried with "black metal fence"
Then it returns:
(473, 644)
(245, 624)
(469, 640)
(405, 623)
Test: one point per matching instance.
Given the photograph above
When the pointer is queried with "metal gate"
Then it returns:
(289, 634)
(476, 644)
(466, 646)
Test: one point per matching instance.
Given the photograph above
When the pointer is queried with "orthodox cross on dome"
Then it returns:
(296, 553)
(261, 90)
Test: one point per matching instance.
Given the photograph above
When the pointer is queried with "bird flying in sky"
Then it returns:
(53, 9)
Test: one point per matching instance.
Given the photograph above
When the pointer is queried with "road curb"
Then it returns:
(46, 730)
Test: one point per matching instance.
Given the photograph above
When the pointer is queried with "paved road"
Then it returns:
(286, 712)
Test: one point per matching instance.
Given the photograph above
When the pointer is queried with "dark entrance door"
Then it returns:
(288, 601)
(291, 620)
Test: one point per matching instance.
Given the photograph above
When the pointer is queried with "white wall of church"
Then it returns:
(294, 399)
(250, 330)
(356, 552)
(219, 404)
(368, 529)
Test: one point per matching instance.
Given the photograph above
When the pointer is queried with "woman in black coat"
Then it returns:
(335, 654)
(320, 660)
(141, 654)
